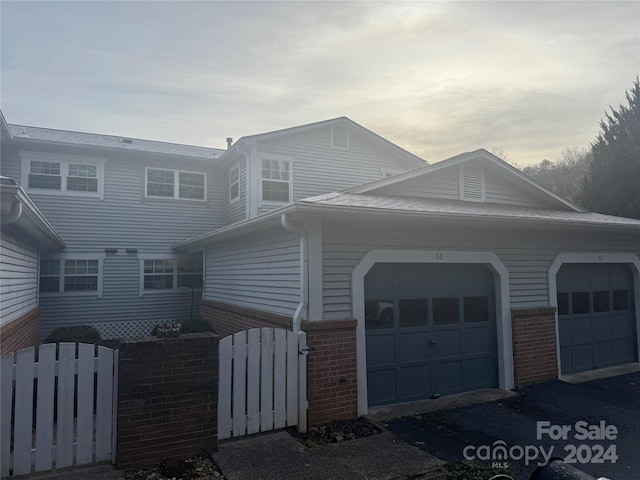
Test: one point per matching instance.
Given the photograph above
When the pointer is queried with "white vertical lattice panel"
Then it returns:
(260, 380)
(71, 437)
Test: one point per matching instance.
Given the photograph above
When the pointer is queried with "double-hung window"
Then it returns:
(59, 174)
(177, 184)
(161, 274)
(276, 181)
(234, 183)
(62, 275)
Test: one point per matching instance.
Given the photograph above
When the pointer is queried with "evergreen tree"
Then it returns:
(612, 184)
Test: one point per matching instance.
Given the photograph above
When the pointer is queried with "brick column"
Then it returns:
(167, 398)
(22, 332)
(332, 371)
(535, 357)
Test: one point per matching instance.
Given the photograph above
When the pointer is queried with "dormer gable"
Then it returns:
(475, 176)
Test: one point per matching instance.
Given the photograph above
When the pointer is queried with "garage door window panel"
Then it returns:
(413, 312)
(580, 303)
(379, 313)
(620, 300)
(445, 311)
(601, 301)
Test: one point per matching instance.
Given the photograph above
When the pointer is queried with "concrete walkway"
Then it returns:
(278, 456)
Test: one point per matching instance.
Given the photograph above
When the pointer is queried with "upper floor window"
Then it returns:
(276, 181)
(340, 136)
(57, 174)
(234, 183)
(58, 275)
(164, 183)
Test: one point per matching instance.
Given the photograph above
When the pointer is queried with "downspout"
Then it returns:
(14, 214)
(304, 277)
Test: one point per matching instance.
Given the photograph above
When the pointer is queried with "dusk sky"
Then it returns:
(437, 78)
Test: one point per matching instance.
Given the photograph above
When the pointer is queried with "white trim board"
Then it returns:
(503, 313)
(602, 258)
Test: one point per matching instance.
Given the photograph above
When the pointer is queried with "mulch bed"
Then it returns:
(201, 467)
(334, 432)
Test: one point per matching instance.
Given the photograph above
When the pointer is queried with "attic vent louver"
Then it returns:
(471, 183)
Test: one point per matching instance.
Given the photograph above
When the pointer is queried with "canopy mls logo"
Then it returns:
(500, 453)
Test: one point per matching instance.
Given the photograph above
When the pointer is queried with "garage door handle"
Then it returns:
(433, 342)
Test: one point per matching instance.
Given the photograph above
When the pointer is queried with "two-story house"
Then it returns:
(120, 204)
(411, 280)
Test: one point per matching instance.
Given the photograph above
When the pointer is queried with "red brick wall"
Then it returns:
(228, 319)
(22, 332)
(535, 358)
(332, 372)
(167, 398)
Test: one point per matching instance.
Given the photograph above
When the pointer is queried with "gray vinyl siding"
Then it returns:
(237, 210)
(19, 279)
(126, 220)
(260, 271)
(318, 168)
(445, 184)
(526, 255)
(9, 162)
(499, 189)
(439, 184)
(120, 301)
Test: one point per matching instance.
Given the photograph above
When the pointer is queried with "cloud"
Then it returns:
(434, 77)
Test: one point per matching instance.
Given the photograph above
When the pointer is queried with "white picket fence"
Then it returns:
(80, 434)
(263, 382)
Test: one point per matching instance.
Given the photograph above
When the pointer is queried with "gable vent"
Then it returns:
(471, 183)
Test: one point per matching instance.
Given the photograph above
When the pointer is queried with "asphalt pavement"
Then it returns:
(596, 424)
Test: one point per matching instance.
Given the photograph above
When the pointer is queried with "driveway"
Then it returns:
(597, 423)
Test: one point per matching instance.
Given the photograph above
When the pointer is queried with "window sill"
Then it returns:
(174, 200)
(67, 193)
(91, 293)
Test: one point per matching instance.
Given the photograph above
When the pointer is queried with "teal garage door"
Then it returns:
(596, 318)
(430, 331)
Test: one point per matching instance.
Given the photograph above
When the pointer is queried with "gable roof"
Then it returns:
(24, 133)
(519, 177)
(324, 123)
(434, 207)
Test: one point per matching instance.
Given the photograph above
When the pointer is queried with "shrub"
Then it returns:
(195, 324)
(77, 334)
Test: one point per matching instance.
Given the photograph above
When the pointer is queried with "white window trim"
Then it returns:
(603, 258)
(287, 159)
(64, 161)
(340, 147)
(503, 311)
(176, 185)
(162, 256)
(236, 198)
(70, 256)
